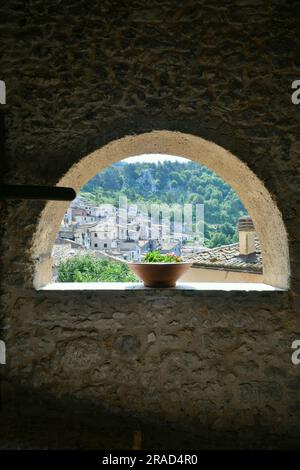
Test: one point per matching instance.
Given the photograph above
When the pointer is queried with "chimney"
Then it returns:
(246, 236)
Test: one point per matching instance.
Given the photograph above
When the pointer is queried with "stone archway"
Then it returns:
(254, 195)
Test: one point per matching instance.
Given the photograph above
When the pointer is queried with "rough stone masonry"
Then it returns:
(189, 368)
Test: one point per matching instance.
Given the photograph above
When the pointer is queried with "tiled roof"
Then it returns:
(227, 257)
(83, 226)
(64, 252)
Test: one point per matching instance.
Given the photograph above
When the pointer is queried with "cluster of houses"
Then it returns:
(109, 230)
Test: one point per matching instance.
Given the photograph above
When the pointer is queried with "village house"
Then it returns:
(102, 235)
(66, 232)
(130, 250)
(103, 211)
(82, 234)
(82, 216)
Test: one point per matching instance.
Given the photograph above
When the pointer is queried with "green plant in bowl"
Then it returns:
(158, 270)
(157, 257)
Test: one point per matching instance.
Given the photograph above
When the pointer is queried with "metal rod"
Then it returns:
(47, 193)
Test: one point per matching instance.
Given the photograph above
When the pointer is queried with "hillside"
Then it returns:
(172, 182)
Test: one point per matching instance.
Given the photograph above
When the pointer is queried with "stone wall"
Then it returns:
(80, 75)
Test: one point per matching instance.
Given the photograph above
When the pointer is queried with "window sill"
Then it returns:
(124, 286)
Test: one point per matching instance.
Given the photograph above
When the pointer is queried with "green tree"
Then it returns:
(111, 179)
(85, 268)
(218, 239)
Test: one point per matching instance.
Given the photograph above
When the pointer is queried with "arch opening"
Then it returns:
(251, 190)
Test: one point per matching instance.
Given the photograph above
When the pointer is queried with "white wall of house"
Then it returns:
(84, 219)
(105, 210)
(102, 236)
(101, 244)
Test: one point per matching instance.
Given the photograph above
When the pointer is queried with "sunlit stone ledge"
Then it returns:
(199, 286)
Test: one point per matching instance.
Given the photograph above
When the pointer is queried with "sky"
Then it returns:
(155, 158)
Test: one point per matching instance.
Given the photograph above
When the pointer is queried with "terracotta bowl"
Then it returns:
(159, 274)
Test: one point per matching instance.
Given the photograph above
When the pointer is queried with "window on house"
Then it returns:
(95, 245)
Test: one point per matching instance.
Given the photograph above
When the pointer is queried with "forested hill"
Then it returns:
(172, 182)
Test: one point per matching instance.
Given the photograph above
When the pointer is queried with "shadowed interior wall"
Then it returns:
(80, 76)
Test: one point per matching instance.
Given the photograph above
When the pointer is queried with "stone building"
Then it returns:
(82, 216)
(103, 234)
(89, 84)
